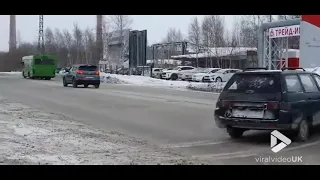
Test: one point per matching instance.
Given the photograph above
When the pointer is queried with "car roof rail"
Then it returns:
(292, 68)
(255, 68)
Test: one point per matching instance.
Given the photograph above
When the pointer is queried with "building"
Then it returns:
(117, 48)
(222, 57)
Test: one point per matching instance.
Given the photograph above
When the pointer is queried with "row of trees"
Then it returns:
(211, 31)
(72, 47)
(79, 45)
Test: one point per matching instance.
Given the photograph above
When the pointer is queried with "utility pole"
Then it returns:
(41, 36)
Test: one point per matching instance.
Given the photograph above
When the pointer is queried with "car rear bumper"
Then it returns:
(85, 81)
(254, 124)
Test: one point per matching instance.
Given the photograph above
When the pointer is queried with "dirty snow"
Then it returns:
(29, 136)
(141, 81)
(11, 73)
(208, 87)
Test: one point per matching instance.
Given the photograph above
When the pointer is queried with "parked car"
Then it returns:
(204, 74)
(223, 75)
(187, 75)
(83, 74)
(156, 72)
(173, 74)
(287, 100)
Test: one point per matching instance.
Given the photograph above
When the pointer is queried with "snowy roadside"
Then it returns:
(29, 136)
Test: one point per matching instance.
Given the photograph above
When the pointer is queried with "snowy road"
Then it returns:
(175, 120)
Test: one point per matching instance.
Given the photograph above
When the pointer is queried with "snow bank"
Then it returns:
(208, 87)
(29, 136)
(141, 81)
(11, 73)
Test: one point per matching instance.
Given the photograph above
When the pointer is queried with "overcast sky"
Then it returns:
(157, 25)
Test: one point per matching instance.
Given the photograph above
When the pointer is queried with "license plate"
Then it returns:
(258, 114)
(89, 77)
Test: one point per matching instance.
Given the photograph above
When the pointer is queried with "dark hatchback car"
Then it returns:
(286, 100)
(82, 75)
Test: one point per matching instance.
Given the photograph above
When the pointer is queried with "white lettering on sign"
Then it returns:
(286, 31)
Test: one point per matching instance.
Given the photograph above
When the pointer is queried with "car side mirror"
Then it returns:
(179, 70)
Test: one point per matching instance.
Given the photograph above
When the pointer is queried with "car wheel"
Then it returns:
(303, 131)
(74, 83)
(96, 86)
(65, 84)
(47, 78)
(174, 77)
(235, 132)
(218, 79)
(85, 85)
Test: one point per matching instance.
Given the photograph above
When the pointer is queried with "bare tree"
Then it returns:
(195, 36)
(120, 23)
(173, 35)
(50, 44)
(232, 39)
(213, 35)
(293, 42)
(78, 42)
(68, 39)
(89, 45)
(249, 28)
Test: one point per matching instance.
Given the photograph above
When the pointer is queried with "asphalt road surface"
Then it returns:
(181, 121)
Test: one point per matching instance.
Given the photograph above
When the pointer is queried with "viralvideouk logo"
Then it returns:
(275, 136)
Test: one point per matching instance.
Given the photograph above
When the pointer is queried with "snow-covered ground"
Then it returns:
(11, 73)
(141, 81)
(29, 136)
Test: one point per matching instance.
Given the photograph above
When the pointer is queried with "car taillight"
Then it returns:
(273, 105)
(80, 72)
(97, 73)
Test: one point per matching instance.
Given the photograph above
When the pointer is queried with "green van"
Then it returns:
(39, 66)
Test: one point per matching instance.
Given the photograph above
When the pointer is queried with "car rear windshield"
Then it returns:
(44, 62)
(88, 68)
(254, 83)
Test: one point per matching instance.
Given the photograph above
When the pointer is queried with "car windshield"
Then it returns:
(221, 71)
(259, 83)
(207, 70)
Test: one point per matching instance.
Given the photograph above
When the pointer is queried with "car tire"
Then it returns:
(65, 84)
(74, 83)
(235, 133)
(218, 79)
(47, 78)
(174, 77)
(85, 85)
(96, 86)
(303, 132)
